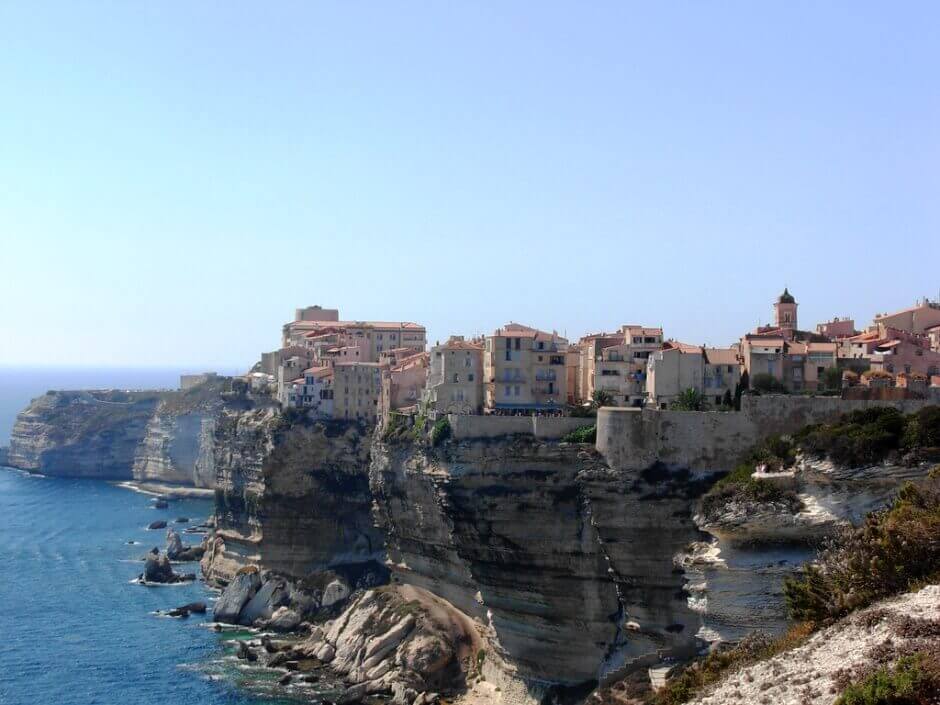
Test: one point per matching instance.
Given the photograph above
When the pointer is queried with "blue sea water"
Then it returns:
(74, 629)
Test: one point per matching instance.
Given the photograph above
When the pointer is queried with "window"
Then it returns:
(541, 346)
(518, 343)
(456, 378)
(637, 339)
(517, 390)
(508, 354)
(470, 377)
(508, 390)
(468, 361)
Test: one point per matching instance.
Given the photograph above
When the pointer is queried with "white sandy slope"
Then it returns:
(804, 676)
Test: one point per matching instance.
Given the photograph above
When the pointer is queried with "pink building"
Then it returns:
(837, 328)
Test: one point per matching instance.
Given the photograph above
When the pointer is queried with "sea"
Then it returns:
(74, 627)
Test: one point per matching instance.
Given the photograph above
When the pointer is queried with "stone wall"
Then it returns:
(545, 427)
(714, 440)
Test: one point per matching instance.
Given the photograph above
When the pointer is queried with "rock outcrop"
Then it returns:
(566, 561)
(178, 446)
(176, 550)
(816, 672)
(830, 497)
(82, 434)
(158, 570)
(292, 498)
(398, 640)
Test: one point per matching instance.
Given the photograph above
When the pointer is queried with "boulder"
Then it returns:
(155, 525)
(157, 569)
(245, 653)
(236, 595)
(273, 593)
(174, 544)
(160, 504)
(186, 610)
(336, 591)
(182, 520)
(284, 619)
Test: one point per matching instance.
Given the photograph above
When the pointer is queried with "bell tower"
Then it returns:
(785, 311)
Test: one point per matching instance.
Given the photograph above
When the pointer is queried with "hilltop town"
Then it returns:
(370, 370)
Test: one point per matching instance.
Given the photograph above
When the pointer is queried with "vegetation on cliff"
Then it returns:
(582, 434)
(893, 551)
(869, 436)
(739, 485)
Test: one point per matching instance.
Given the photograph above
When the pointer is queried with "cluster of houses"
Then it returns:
(367, 370)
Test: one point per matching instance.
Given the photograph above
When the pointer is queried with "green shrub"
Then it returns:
(440, 432)
(689, 400)
(767, 384)
(582, 434)
(912, 681)
(716, 665)
(923, 429)
(893, 551)
(868, 436)
(776, 452)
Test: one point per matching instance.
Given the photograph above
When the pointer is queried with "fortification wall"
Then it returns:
(715, 440)
(549, 428)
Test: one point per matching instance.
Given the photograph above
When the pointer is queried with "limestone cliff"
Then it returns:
(178, 447)
(292, 495)
(82, 434)
(567, 562)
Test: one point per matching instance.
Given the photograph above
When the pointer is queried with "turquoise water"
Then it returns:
(74, 630)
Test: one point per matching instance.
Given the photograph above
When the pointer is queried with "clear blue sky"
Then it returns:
(176, 177)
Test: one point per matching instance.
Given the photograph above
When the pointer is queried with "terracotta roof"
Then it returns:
(461, 345)
(319, 372)
(517, 330)
(682, 347)
(721, 356)
(340, 325)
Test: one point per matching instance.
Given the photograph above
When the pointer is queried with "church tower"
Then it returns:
(785, 311)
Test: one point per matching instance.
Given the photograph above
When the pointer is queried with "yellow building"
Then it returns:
(524, 369)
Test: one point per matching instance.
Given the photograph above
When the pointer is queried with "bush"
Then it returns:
(767, 384)
(913, 681)
(689, 400)
(832, 378)
(583, 434)
(440, 432)
(866, 437)
(776, 452)
(892, 552)
(713, 667)
(923, 429)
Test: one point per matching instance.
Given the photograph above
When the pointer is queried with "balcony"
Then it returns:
(546, 377)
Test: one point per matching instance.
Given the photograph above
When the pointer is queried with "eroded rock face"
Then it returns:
(82, 434)
(398, 640)
(178, 447)
(290, 498)
(568, 561)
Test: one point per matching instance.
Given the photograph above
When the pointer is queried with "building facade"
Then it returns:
(524, 369)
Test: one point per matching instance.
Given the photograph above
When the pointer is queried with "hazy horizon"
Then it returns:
(178, 177)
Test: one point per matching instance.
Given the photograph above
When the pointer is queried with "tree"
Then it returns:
(602, 397)
(832, 378)
(689, 400)
(768, 384)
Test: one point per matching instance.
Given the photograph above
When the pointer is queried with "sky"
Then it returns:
(177, 177)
